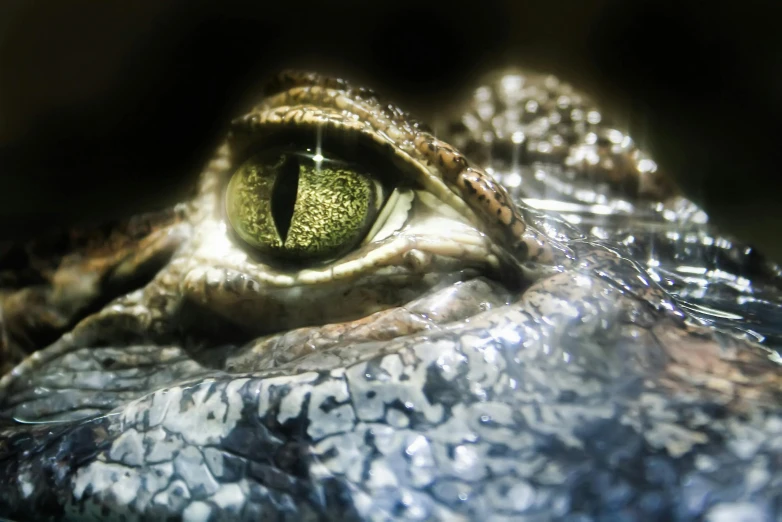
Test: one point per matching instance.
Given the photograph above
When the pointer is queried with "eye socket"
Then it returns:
(294, 206)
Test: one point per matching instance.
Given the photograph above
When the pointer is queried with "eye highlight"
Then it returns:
(295, 206)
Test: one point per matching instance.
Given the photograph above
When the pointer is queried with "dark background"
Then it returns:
(109, 108)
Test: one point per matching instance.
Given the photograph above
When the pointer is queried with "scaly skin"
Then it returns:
(483, 360)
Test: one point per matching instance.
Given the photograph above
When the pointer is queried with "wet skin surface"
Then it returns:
(539, 327)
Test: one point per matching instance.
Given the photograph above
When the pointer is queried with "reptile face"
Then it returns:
(352, 319)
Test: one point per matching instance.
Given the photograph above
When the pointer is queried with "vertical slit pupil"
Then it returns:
(284, 195)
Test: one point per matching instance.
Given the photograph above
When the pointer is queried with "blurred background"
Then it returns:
(109, 108)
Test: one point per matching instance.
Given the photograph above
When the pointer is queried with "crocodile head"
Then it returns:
(352, 319)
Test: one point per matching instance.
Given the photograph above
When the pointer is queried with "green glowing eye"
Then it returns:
(291, 207)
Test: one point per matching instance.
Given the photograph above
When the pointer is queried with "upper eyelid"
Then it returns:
(298, 87)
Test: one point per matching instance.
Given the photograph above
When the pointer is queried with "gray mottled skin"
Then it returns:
(487, 359)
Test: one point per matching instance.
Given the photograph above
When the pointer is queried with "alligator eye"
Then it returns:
(300, 207)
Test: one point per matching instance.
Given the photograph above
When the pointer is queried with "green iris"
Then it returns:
(298, 207)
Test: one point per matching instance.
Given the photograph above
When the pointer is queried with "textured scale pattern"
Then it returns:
(549, 332)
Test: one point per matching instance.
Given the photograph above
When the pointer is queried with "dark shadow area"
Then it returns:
(111, 109)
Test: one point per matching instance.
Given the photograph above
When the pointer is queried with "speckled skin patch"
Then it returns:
(486, 359)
